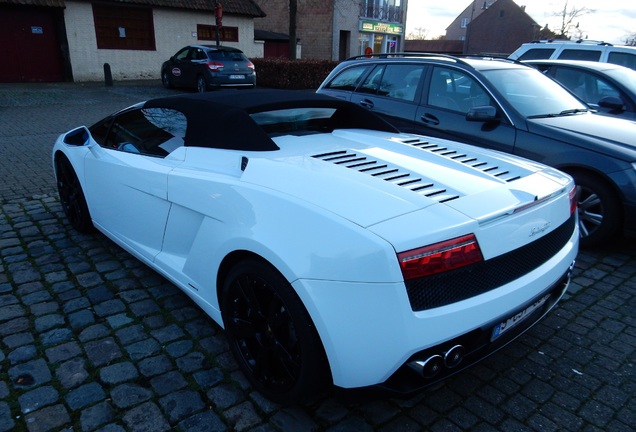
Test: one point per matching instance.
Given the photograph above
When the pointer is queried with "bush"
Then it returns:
(291, 74)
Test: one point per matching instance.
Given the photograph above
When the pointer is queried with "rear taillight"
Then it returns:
(215, 66)
(440, 257)
(251, 65)
(573, 200)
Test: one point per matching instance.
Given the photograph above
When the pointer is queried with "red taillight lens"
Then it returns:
(251, 65)
(440, 257)
(215, 66)
(573, 200)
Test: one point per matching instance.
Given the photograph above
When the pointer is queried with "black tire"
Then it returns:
(165, 80)
(72, 196)
(599, 210)
(272, 336)
(202, 84)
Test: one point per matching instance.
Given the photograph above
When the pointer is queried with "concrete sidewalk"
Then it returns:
(91, 339)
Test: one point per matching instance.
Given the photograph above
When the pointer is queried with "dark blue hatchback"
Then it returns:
(206, 67)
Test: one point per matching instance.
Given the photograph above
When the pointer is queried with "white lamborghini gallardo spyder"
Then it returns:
(334, 250)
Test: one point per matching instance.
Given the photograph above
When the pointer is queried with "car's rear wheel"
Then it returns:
(165, 80)
(202, 84)
(271, 334)
(599, 210)
(72, 195)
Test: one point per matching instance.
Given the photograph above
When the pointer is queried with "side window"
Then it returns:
(348, 79)
(200, 55)
(623, 59)
(372, 83)
(148, 131)
(537, 54)
(401, 81)
(456, 91)
(182, 55)
(579, 54)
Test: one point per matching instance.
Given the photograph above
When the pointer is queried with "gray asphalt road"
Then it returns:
(91, 339)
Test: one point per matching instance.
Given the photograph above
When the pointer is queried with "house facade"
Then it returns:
(74, 40)
(500, 30)
(458, 29)
(338, 29)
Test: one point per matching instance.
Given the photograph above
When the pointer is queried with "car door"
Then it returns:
(449, 94)
(127, 177)
(179, 67)
(391, 90)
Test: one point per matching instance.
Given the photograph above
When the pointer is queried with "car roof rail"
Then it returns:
(578, 41)
(492, 57)
(408, 54)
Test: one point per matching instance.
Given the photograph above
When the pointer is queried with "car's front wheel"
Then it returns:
(271, 334)
(202, 84)
(599, 210)
(72, 195)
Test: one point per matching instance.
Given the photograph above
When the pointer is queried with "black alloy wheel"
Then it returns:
(271, 334)
(71, 196)
(598, 208)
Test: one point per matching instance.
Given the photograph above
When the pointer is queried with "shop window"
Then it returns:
(118, 27)
(208, 32)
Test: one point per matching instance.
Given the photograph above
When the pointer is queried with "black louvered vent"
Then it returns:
(395, 175)
(489, 167)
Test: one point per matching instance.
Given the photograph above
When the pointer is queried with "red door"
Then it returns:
(29, 47)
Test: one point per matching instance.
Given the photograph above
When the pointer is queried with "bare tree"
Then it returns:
(568, 15)
(419, 33)
(630, 40)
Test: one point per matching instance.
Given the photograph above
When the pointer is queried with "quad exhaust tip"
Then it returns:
(433, 365)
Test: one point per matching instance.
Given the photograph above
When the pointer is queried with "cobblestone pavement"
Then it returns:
(91, 339)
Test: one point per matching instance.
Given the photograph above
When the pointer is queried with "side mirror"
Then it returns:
(613, 103)
(484, 113)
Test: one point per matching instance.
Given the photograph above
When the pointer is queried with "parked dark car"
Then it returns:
(207, 67)
(609, 89)
(509, 106)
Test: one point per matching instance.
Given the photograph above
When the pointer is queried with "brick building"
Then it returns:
(338, 29)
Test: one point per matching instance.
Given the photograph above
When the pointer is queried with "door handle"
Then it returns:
(366, 103)
(430, 119)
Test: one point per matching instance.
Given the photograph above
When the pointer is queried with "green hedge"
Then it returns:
(291, 74)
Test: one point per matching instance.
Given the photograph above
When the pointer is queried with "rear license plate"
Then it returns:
(237, 76)
(511, 322)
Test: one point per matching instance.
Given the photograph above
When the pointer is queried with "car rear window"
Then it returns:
(226, 55)
(537, 54)
(295, 121)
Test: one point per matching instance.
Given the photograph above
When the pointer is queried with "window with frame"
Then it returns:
(465, 22)
(123, 27)
(226, 34)
(147, 131)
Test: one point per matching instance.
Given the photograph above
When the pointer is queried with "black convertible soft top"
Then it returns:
(222, 119)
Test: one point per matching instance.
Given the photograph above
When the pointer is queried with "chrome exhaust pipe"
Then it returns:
(428, 368)
(454, 356)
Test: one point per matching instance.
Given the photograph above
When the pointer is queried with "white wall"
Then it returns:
(173, 31)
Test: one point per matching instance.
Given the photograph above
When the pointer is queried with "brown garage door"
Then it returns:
(29, 46)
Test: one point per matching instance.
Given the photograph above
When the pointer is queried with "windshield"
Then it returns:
(531, 93)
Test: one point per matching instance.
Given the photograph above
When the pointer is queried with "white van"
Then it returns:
(577, 50)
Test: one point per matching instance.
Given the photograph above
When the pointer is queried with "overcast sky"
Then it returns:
(611, 20)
